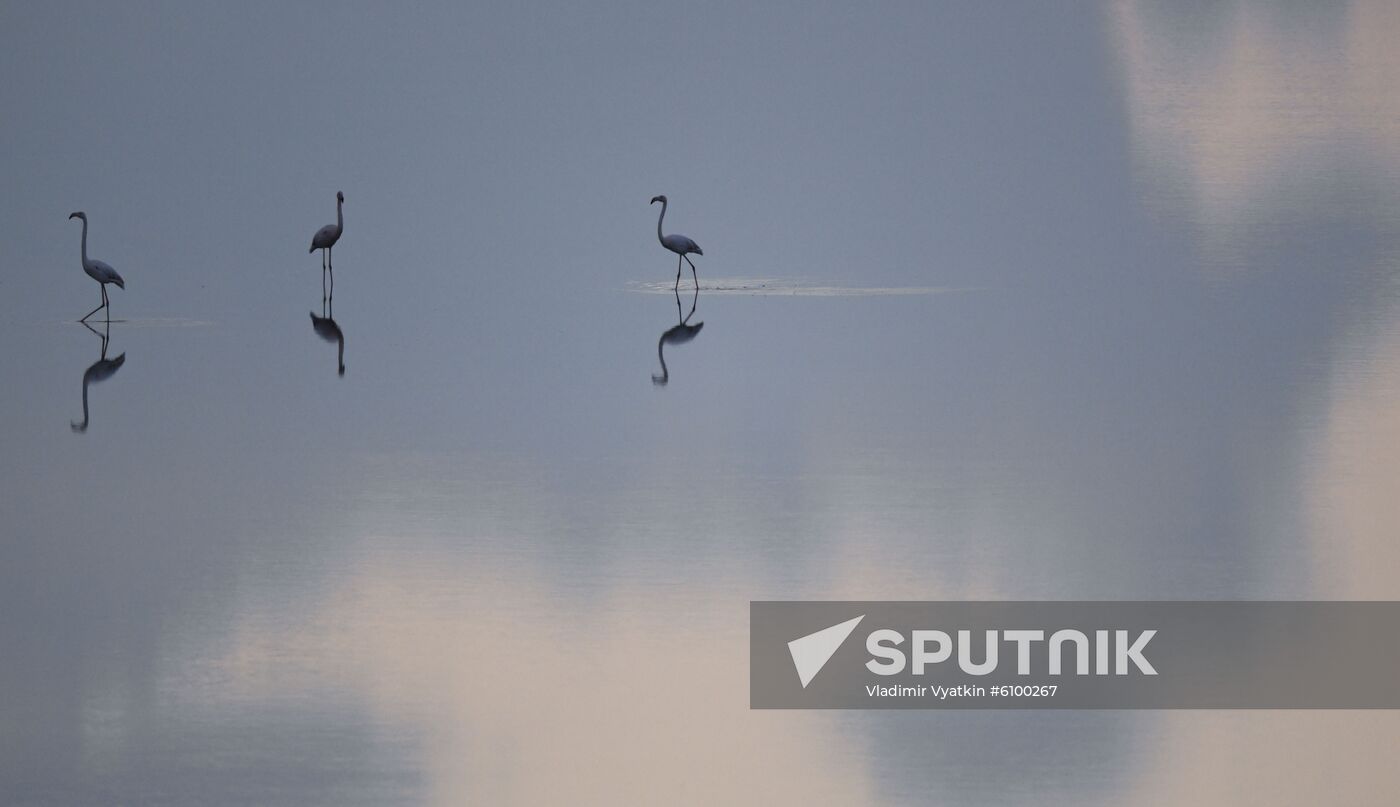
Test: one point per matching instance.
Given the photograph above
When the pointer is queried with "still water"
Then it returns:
(1007, 303)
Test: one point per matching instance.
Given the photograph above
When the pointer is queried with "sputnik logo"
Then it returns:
(811, 652)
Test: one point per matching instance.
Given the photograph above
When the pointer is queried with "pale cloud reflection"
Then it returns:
(1255, 123)
(523, 698)
(1276, 758)
(1355, 509)
(1305, 757)
(1257, 116)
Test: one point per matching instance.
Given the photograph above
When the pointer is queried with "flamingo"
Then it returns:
(679, 244)
(97, 270)
(325, 239)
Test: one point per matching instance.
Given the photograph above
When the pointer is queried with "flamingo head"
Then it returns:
(78, 215)
(661, 199)
(339, 196)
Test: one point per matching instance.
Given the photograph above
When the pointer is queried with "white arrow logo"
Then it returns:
(811, 652)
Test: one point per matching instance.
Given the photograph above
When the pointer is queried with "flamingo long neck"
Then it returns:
(658, 221)
(85, 259)
(339, 219)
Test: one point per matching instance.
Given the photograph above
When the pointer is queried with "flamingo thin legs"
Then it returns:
(327, 267)
(696, 278)
(100, 307)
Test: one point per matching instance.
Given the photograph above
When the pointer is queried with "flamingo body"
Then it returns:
(103, 272)
(325, 237)
(680, 244)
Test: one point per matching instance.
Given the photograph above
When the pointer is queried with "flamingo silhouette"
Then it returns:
(679, 244)
(325, 239)
(102, 272)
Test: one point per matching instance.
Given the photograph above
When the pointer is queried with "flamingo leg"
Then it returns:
(678, 272)
(106, 303)
(692, 274)
(100, 307)
(332, 270)
(323, 278)
(93, 311)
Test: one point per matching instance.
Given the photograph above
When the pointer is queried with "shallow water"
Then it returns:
(1035, 306)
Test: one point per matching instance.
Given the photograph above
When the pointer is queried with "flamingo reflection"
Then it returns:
(679, 334)
(100, 370)
(326, 328)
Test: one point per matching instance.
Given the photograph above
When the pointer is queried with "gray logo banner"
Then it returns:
(1074, 655)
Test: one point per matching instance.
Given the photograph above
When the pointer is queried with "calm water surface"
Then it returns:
(997, 304)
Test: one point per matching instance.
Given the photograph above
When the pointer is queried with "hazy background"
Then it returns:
(1153, 355)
